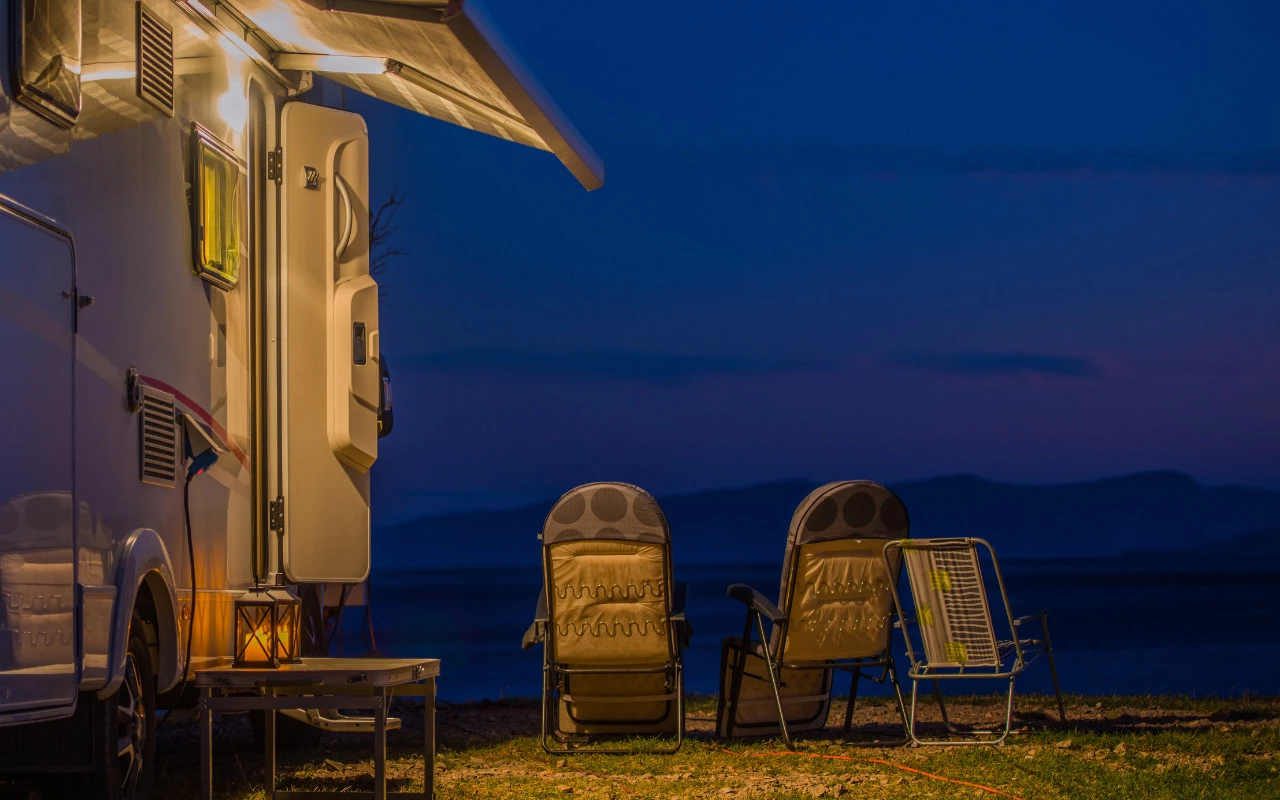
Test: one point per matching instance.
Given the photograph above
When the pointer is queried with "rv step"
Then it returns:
(333, 720)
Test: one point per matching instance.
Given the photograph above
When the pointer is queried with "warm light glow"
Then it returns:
(351, 65)
(256, 644)
(233, 105)
(122, 70)
(108, 71)
(266, 627)
(282, 23)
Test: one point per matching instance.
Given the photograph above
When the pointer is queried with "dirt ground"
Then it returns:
(492, 750)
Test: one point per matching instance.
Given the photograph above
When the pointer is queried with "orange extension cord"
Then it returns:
(879, 761)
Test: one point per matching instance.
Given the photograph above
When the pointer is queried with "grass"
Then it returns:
(1112, 747)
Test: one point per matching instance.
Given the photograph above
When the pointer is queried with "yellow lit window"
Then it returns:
(219, 195)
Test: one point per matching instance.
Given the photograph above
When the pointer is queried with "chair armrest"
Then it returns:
(684, 631)
(1030, 618)
(679, 597)
(757, 602)
(537, 632)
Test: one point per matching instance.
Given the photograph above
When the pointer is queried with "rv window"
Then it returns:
(46, 58)
(219, 212)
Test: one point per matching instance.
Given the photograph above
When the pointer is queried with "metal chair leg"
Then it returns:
(897, 691)
(546, 703)
(911, 726)
(1053, 668)
(942, 706)
(853, 698)
(773, 680)
(1008, 716)
(740, 666)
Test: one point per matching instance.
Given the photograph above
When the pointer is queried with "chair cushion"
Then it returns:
(806, 695)
(841, 604)
(609, 603)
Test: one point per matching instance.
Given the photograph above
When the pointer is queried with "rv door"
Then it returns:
(331, 359)
(37, 518)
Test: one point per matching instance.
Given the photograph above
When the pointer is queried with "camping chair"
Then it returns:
(610, 620)
(956, 628)
(835, 611)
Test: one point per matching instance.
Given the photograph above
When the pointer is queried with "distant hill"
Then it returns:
(1141, 512)
(1262, 542)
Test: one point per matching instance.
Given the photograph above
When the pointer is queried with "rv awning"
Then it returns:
(440, 59)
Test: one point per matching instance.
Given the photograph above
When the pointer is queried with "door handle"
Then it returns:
(82, 300)
(348, 216)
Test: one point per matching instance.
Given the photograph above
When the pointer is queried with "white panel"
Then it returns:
(355, 385)
(325, 246)
(37, 539)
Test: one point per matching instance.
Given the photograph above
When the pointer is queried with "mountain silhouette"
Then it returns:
(1152, 511)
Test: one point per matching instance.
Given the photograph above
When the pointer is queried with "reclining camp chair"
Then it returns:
(954, 618)
(610, 621)
(835, 611)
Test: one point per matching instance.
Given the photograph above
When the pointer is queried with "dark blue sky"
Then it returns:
(1035, 241)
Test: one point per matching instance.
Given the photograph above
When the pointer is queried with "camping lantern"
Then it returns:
(267, 620)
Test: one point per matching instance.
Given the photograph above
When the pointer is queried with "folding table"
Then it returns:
(322, 683)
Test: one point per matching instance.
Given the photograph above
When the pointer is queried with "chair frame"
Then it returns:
(760, 608)
(1021, 648)
(555, 676)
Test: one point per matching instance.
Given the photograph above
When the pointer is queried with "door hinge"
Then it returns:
(274, 171)
(275, 514)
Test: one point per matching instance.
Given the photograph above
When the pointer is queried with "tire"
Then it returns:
(109, 745)
(134, 725)
(125, 730)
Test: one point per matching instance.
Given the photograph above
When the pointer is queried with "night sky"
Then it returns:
(1033, 241)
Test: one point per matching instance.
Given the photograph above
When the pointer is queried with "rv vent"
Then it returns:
(159, 438)
(155, 60)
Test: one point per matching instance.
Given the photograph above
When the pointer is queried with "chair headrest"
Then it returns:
(849, 510)
(617, 511)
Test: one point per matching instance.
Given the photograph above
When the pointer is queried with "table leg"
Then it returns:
(269, 741)
(206, 745)
(380, 744)
(429, 736)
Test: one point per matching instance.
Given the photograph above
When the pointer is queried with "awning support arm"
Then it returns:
(436, 13)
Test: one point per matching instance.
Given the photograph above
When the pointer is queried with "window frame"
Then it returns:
(59, 105)
(203, 140)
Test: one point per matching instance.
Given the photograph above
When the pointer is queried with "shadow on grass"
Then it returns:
(472, 733)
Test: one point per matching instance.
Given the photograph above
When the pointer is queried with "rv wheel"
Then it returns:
(122, 730)
(131, 741)
(124, 735)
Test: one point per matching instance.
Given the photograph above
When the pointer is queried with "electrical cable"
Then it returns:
(370, 643)
(191, 561)
(880, 761)
(337, 622)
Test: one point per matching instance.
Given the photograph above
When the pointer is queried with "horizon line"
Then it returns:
(550, 499)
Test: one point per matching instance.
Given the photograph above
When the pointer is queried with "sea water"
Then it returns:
(1194, 624)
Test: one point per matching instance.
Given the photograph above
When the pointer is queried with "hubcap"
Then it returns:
(131, 727)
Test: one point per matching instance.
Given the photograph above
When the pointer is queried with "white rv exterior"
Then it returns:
(184, 242)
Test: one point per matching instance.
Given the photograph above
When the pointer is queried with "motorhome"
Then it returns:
(184, 277)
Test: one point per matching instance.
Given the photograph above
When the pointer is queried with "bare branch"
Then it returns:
(382, 234)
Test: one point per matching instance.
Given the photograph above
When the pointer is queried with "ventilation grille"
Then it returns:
(159, 438)
(155, 60)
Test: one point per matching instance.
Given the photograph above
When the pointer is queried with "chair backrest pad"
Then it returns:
(951, 606)
(608, 603)
(835, 587)
(842, 606)
(607, 568)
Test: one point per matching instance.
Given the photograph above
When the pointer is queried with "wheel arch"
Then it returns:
(144, 581)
